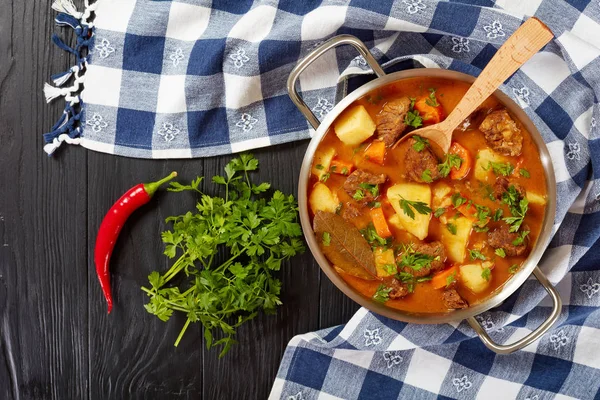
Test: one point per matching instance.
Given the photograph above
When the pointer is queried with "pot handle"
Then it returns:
(533, 336)
(318, 52)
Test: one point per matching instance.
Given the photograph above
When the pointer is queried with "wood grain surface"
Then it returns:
(56, 340)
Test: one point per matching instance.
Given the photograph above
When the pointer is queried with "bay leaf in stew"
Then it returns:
(344, 246)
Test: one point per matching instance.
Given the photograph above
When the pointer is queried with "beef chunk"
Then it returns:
(434, 249)
(350, 211)
(353, 184)
(416, 162)
(502, 184)
(502, 238)
(501, 133)
(390, 120)
(399, 289)
(452, 299)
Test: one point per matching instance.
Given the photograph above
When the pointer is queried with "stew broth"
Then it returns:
(527, 173)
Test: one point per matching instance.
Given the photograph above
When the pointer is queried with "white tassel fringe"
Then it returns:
(51, 92)
(67, 7)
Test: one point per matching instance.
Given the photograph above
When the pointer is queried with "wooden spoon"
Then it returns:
(518, 48)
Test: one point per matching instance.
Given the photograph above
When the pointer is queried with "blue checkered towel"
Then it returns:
(187, 79)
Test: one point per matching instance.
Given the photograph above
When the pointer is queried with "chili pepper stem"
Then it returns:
(152, 187)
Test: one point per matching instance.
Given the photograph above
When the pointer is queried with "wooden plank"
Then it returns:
(43, 331)
(131, 351)
(249, 369)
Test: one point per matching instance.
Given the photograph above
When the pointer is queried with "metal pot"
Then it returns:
(530, 265)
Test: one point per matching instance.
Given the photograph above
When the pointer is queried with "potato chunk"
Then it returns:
(354, 126)
(419, 226)
(456, 244)
(472, 276)
(441, 195)
(384, 258)
(322, 162)
(482, 171)
(536, 198)
(322, 199)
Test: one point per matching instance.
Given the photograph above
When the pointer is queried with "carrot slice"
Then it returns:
(430, 114)
(440, 280)
(467, 161)
(375, 152)
(380, 224)
(341, 167)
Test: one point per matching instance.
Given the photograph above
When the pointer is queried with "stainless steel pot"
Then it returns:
(530, 265)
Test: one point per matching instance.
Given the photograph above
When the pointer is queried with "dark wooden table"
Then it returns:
(56, 340)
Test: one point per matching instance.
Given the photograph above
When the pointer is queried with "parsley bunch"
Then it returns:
(228, 252)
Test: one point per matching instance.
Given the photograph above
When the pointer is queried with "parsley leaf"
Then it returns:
(370, 234)
(228, 250)
(413, 119)
(419, 206)
(374, 189)
(420, 143)
(501, 168)
(500, 252)
(326, 239)
(416, 261)
(486, 274)
(426, 176)
(358, 195)
(518, 209)
(382, 294)
(324, 177)
(524, 173)
(458, 200)
(520, 239)
(450, 161)
(451, 228)
(438, 213)
(319, 166)
(450, 279)
(431, 100)
(498, 215)
(513, 268)
(390, 268)
(476, 255)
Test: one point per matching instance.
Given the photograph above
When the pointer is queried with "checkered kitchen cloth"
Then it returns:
(188, 78)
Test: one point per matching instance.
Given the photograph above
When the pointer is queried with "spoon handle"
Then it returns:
(518, 48)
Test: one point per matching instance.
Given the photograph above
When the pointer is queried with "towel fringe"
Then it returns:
(67, 7)
(68, 127)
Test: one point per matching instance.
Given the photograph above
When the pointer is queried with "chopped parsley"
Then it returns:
(413, 119)
(374, 204)
(344, 171)
(450, 161)
(324, 177)
(524, 173)
(416, 261)
(390, 268)
(338, 209)
(450, 279)
(370, 234)
(431, 100)
(521, 238)
(513, 268)
(482, 215)
(408, 206)
(451, 228)
(374, 189)
(420, 143)
(426, 176)
(476, 255)
(500, 168)
(326, 239)
(458, 200)
(438, 213)
(333, 168)
(319, 166)
(498, 215)
(478, 228)
(486, 274)
(358, 195)
(382, 294)
(500, 252)
(517, 209)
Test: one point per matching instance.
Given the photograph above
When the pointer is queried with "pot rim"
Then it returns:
(502, 293)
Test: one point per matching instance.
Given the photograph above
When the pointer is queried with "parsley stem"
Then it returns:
(176, 268)
(187, 323)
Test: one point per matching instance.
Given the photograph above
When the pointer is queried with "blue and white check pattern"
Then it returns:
(188, 78)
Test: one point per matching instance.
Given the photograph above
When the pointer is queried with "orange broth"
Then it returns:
(425, 298)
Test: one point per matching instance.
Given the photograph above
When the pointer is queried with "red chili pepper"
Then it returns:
(111, 226)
